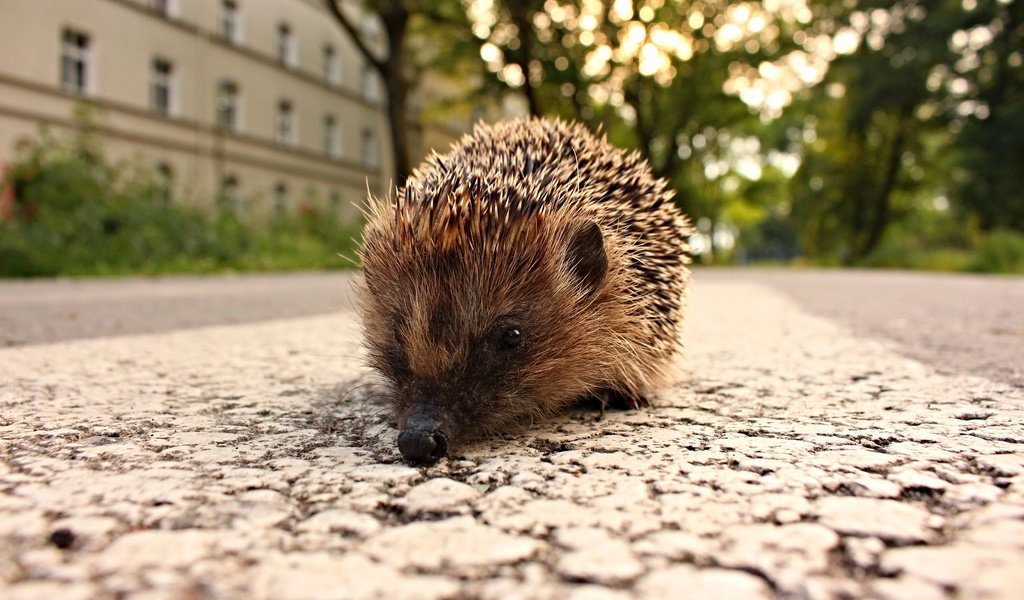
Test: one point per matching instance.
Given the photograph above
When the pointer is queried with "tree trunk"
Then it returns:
(391, 68)
(855, 186)
(519, 10)
(396, 22)
(883, 200)
(644, 135)
(712, 246)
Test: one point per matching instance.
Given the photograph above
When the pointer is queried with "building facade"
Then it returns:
(264, 105)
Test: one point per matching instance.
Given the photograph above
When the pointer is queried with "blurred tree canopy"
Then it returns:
(814, 127)
(925, 110)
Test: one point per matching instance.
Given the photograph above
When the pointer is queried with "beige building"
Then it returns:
(261, 102)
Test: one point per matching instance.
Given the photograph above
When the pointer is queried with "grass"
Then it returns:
(998, 251)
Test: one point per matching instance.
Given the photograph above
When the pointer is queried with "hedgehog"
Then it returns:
(532, 267)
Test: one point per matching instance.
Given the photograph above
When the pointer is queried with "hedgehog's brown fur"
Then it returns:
(479, 238)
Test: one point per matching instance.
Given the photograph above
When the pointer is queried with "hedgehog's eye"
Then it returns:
(510, 338)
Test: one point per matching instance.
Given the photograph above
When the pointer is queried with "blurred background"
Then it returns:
(154, 136)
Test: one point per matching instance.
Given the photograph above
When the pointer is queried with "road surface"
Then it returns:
(38, 311)
(957, 323)
(803, 453)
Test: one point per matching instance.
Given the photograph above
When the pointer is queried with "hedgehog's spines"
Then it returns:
(503, 186)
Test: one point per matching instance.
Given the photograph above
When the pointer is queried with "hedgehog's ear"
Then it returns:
(586, 257)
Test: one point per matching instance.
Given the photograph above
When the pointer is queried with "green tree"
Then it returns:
(990, 145)
(929, 106)
(654, 75)
(889, 107)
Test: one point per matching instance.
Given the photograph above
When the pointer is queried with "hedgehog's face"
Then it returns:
(473, 343)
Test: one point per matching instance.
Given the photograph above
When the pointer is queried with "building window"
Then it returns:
(161, 94)
(230, 25)
(286, 135)
(227, 196)
(287, 46)
(370, 89)
(74, 61)
(280, 197)
(332, 140)
(332, 66)
(164, 183)
(164, 8)
(228, 117)
(369, 148)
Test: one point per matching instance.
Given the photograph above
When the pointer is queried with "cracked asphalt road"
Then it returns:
(969, 324)
(40, 311)
(796, 458)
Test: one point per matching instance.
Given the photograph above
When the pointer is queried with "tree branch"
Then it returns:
(519, 12)
(646, 137)
(436, 14)
(883, 199)
(339, 16)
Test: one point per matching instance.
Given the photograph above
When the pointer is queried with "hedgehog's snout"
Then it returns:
(421, 446)
(424, 437)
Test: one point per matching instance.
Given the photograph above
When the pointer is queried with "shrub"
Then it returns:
(1001, 251)
(76, 213)
(899, 250)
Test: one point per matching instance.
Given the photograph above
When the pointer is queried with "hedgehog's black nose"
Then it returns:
(424, 436)
(421, 445)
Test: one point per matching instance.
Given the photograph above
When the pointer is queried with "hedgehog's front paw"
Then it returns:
(621, 400)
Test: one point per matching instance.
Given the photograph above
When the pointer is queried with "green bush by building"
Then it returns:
(77, 213)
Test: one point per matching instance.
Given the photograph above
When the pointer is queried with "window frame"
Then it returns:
(369, 84)
(165, 181)
(76, 51)
(168, 9)
(287, 45)
(280, 198)
(369, 152)
(332, 66)
(167, 82)
(229, 22)
(286, 124)
(332, 137)
(227, 192)
(228, 89)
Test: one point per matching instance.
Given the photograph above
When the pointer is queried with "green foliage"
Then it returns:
(930, 108)
(773, 239)
(1002, 251)
(674, 110)
(938, 241)
(76, 213)
(990, 146)
(902, 251)
(997, 252)
(927, 104)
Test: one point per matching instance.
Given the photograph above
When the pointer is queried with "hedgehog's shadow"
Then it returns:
(359, 411)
